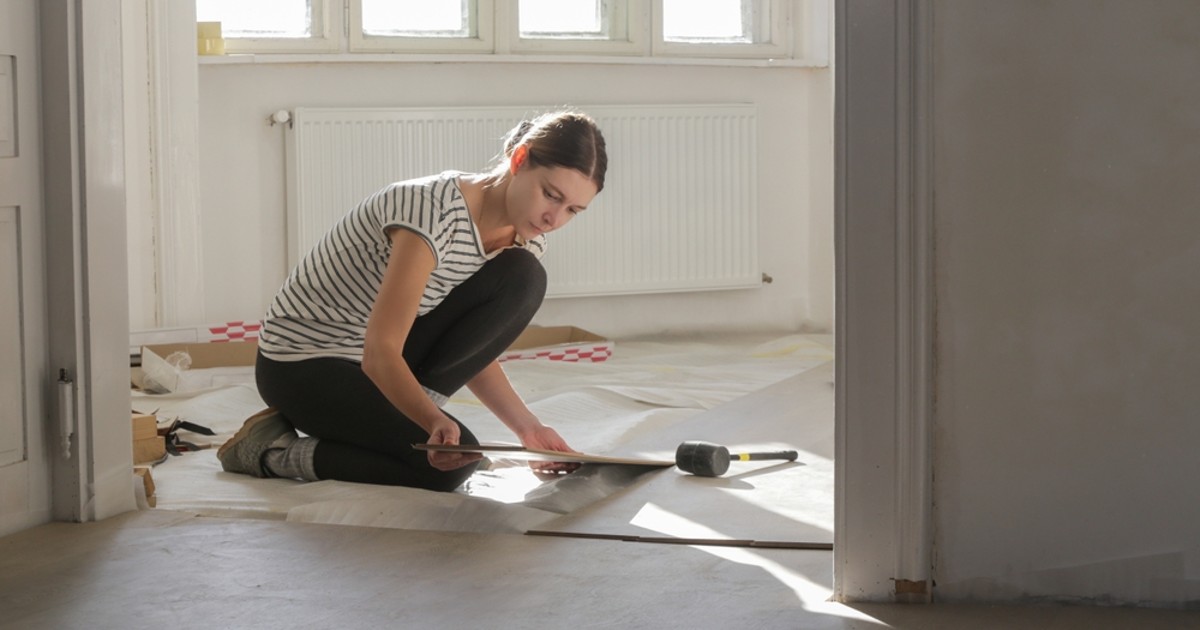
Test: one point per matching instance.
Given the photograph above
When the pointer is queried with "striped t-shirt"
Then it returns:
(323, 306)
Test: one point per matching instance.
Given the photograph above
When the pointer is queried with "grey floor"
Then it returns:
(162, 569)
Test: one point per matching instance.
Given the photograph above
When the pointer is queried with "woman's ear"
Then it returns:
(518, 158)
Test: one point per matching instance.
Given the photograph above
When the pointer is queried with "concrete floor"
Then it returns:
(161, 569)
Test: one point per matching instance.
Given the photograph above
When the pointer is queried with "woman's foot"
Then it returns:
(243, 453)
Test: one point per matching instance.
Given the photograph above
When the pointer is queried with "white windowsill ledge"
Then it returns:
(309, 58)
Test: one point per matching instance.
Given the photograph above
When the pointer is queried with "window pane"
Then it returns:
(259, 18)
(719, 21)
(562, 18)
(417, 18)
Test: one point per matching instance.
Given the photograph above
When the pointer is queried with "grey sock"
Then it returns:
(291, 457)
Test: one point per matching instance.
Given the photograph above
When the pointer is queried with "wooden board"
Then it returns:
(755, 503)
(514, 451)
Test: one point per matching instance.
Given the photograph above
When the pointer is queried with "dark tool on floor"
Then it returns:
(177, 446)
(705, 459)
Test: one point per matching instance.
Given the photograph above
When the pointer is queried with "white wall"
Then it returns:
(242, 175)
(1067, 140)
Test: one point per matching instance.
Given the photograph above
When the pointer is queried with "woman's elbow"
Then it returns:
(379, 356)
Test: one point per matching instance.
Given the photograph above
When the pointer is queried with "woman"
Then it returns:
(412, 295)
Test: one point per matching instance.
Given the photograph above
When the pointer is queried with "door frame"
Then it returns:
(87, 283)
(884, 242)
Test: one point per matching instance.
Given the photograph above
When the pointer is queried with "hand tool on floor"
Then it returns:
(705, 459)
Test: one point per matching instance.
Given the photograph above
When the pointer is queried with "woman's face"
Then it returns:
(542, 199)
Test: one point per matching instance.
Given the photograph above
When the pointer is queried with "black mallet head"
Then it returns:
(705, 459)
(702, 459)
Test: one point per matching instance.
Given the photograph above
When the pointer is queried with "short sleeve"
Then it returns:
(402, 205)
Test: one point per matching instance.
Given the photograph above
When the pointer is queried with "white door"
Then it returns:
(25, 451)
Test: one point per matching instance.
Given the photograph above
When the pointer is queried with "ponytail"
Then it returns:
(515, 136)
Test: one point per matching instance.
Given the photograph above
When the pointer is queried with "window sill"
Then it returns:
(310, 58)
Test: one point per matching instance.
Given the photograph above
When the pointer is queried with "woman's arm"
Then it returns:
(494, 390)
(409, 265)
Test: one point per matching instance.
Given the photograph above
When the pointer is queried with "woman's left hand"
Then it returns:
(545, 438)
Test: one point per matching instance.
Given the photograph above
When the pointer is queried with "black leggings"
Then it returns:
(363, 437)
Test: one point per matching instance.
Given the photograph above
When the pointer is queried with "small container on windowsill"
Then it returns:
(209, 40)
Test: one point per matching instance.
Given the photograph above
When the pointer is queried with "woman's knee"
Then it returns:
(521, 274)
(449, 480)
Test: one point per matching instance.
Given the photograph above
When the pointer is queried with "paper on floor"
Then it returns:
(644, 390)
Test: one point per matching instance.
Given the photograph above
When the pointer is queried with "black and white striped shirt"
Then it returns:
(323, 306)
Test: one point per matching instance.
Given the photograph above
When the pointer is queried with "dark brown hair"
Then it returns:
(565, 138)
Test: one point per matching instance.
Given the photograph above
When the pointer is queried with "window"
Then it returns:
(555, 19)
(421, 26)
(274, 25)
(720, 21)
(282, 19)
(764, 29)
(578, 26)
(722, 28)
(417, 18)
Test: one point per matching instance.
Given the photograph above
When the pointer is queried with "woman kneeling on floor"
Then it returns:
(413, 294)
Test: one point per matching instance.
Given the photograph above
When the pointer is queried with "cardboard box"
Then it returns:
(182, 367)
(225, 331)
(559, 343)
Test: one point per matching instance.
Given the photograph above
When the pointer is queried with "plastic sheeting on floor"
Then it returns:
(613, 407)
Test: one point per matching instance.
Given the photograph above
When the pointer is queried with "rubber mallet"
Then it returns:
(705, 459)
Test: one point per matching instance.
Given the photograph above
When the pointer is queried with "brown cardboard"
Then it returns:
(559, 343)
(205, 365)
(547, 336)
(217, 363)
(209, 355)
(225, 331)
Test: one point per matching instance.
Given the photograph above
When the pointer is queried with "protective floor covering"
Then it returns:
(648, 388)
(759, 502)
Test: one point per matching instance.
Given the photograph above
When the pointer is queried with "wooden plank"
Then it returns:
(147, 477)
(149, 450)
(514, 451)
(667, 540)
(145, 426)
(758, 502)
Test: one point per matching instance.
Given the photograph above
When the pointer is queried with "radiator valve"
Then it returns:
(281, 117)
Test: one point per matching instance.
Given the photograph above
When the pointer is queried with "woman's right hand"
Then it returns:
(542, 437)
(446, 431)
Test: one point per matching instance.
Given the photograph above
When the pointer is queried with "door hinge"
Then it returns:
(66, 412)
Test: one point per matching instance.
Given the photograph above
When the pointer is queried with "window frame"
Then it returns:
(327, 27)
(483, 23)
(629, 21)
(778, 24)
(800, 34)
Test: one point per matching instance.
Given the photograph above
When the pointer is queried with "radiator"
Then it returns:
(678, 212)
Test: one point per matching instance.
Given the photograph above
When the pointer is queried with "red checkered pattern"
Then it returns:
(571, 354)
(234, 331)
